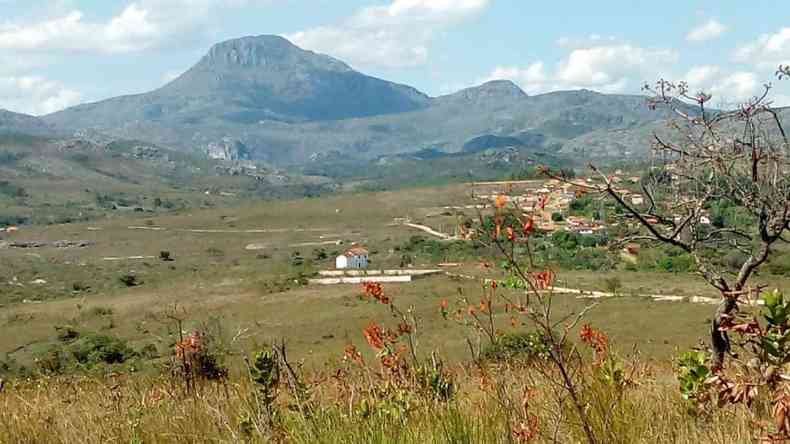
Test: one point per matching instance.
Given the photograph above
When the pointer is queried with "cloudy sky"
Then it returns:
(57, 53)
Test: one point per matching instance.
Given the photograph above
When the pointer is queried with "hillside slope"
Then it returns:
(16, 123)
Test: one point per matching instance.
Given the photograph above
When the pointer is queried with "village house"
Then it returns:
(355, 258)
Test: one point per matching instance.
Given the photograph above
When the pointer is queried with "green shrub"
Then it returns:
(517, 346)
(129, 280)
(101, 311)
(67, 334)
(682, 263)
(91, 349)
(215, 252)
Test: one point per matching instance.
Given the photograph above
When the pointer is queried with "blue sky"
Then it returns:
(57, 53)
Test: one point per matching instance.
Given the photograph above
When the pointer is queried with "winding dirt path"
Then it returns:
(430, 231)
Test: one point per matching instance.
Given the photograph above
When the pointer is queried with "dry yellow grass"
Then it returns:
(146, 410)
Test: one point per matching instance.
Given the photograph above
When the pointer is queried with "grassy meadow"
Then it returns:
(250, 299)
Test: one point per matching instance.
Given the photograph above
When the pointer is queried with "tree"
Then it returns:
(612, 284)
(739, 160)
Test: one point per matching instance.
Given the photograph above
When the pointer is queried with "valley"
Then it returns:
(208, 234)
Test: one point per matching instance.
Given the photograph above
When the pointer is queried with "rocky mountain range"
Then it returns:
(263, 98)
(284, 105)
(11, 122)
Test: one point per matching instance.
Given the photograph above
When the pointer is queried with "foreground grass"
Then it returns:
(344, 410)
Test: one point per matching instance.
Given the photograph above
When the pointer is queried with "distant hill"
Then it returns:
(249, 80)
(59, 180)
(15, 123)
(286, 105)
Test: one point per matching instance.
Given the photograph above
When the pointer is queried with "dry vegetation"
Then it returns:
(351, 409)
(442, 360)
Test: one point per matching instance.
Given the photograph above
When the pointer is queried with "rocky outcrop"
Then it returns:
(227, 149)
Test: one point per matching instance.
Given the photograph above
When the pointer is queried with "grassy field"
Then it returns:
(215, 279)
(249, 299)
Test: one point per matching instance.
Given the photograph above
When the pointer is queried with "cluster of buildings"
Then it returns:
(542, 200)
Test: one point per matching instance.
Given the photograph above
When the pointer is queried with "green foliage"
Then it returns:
(517, 346)
(265, 372)
(320, 254)
(437, 251)
(682, 263)
(67, 333)
(611, 284)
(568, 240)
(775, 340)
(692, 373)
(215, 252)
(573, 251)
(129, 280)
(725, 213)
(666, 259)
(92, 349)
(581, 206)
(436, 382)
(10, 190)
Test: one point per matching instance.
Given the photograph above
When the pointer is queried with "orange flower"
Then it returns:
(543, 201)
(500, 201)
(404, 328)
(586, 333)
(443, 308)
(544, 279)
(494, 284)
(375, 336)
(597, 340)
(485, 305)
(376, 291)
(511, 235)
(529, 226)
(190, 347)
(351, 354)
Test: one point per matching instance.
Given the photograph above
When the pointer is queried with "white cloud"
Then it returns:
(590, 40)
(726, 88)
(707, 31)
(609, 68)
(532, 79)
(129, 31)
(391, 36)
(35, 95)
(610, 64)
(141, 25)
(768, 51)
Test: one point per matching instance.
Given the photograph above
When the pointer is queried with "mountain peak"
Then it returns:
(12, 122)
(502, 86)
(270, 51)
(492, 90)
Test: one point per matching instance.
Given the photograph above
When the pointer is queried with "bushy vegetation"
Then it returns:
(517, 346)
(83, 350)
(439, 251)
